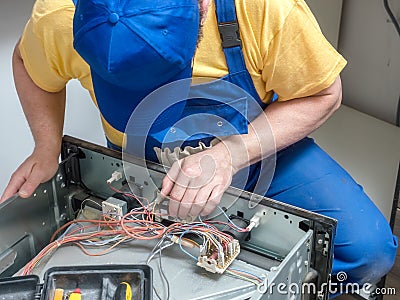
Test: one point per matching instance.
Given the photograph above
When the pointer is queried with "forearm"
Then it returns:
(45, 114)
(44, 111)
(289, 122)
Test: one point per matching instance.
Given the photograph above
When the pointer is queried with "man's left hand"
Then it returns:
(196, 183)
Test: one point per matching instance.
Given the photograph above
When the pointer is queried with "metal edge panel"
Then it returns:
(323, 227)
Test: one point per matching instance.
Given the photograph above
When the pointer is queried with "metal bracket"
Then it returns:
(229, 33)
(70, 162)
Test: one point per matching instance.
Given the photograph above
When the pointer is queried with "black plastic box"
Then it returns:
(95, 282)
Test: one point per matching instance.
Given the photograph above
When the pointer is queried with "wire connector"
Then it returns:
(114, 208)
(255, 220)
(181, 241)
(115, 176)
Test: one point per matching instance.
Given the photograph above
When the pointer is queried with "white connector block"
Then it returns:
(115, 176)
(220, 264)
(114, 208)
(255, 220)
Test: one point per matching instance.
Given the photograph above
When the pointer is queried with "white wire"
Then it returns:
(154, 253)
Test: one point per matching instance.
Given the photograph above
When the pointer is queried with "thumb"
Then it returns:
(32, 182)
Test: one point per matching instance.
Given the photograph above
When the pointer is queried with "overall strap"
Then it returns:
(228, 28)
(75, 2)
(229, 31)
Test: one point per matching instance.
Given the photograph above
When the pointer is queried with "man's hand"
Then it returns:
(39, 167)
(45, 114)
(196, 183)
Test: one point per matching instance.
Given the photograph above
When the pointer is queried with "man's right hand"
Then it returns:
(39, 167)
(45, 114)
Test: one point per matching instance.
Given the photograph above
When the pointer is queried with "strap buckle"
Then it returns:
(229, 32)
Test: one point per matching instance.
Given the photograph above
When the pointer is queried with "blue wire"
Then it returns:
(184, 251)
(180, 245)
(230, 221)
(246, 273)
(200, 224)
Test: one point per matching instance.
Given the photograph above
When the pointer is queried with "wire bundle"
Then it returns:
(107, 233)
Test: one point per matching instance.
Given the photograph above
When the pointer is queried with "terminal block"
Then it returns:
(211, 260)
(114, 208)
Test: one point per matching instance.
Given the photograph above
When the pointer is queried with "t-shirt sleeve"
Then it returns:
(299, 61)
(46, 48)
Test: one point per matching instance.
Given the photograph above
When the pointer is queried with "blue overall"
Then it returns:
(307, 177)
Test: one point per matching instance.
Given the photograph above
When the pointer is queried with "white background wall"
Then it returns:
(369, 41)
(328, 14)
(16, 142)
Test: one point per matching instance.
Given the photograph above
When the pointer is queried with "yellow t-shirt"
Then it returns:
(284, 50)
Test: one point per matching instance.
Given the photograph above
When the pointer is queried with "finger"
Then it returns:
(187, 202)
(167, 185)
(180, 186)
(32, 182)
(169, 179)
(201, 200)
(173, 207)
(13, 186)
(176, 196)
(214, 200)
